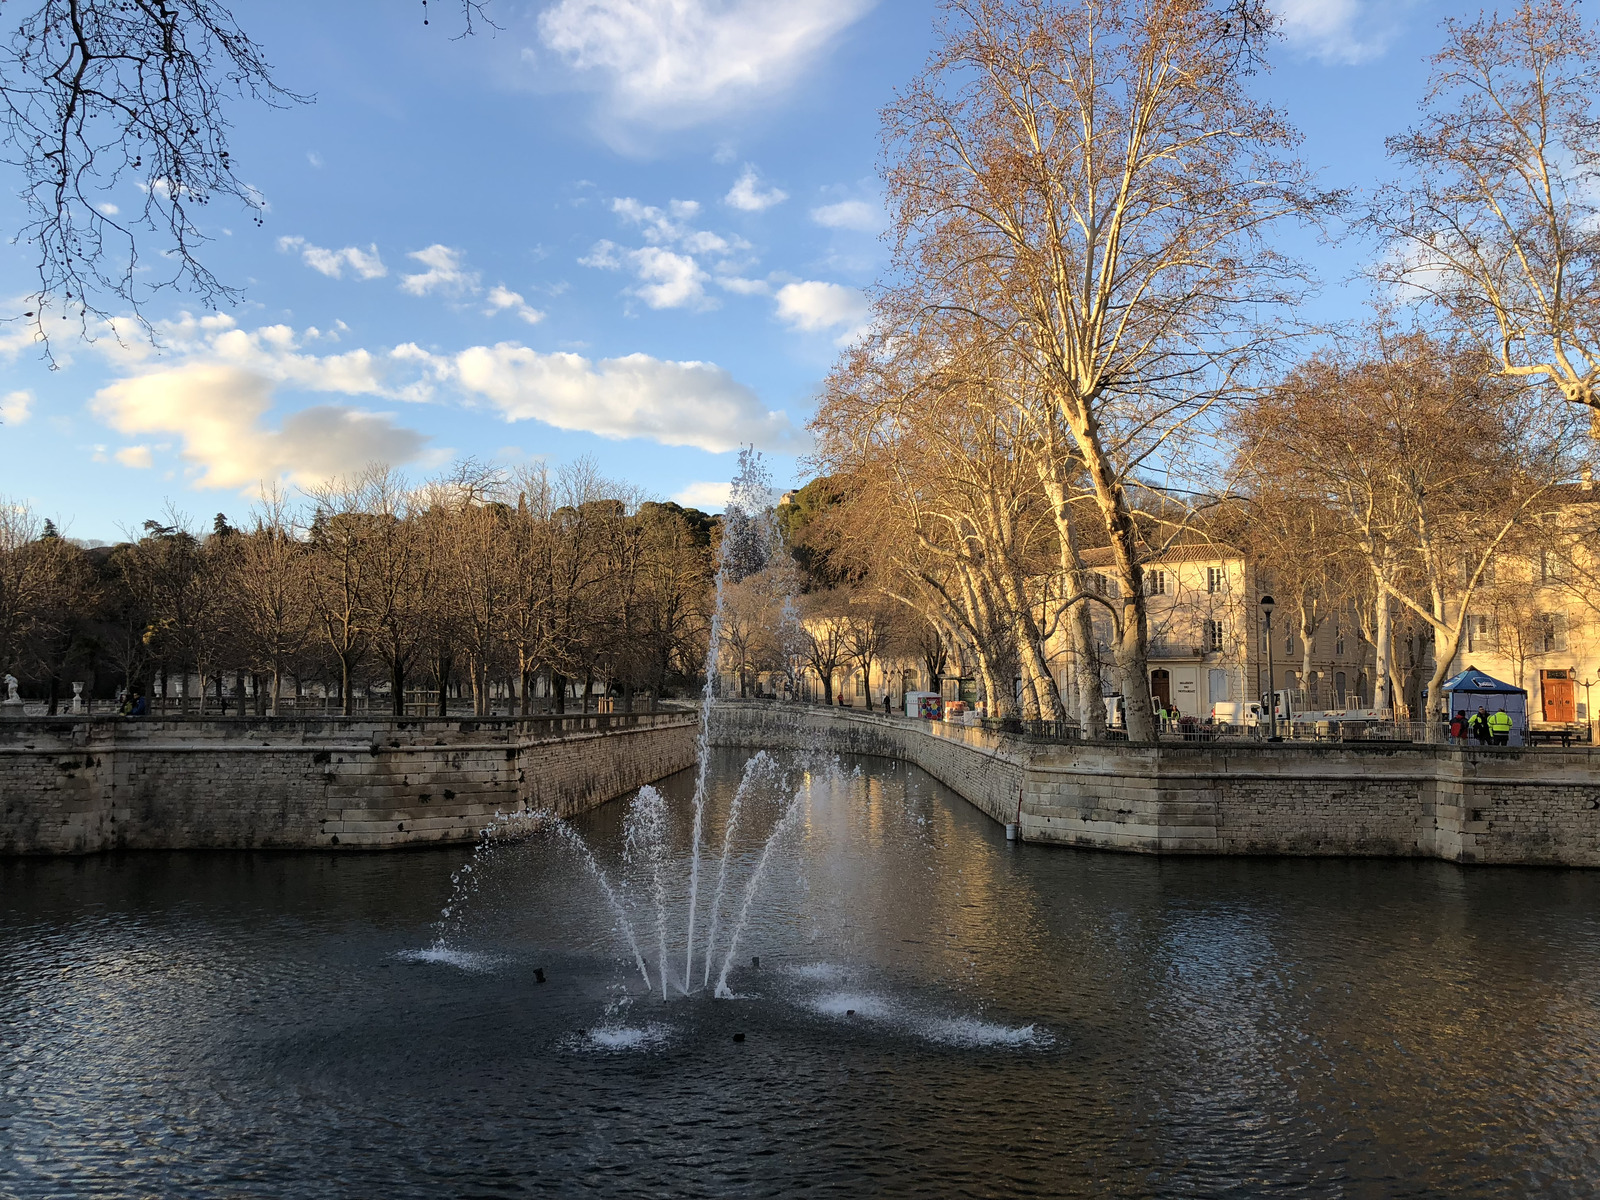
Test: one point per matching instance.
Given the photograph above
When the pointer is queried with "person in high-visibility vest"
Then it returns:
(1500, 727)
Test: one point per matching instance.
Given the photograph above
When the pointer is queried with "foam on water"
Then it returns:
(818, 972)
(624, 1037)
(465, 960)
(947, 1031)
(861, 1004)
(968, 1031)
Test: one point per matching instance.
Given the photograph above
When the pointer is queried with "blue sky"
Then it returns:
(630, 229)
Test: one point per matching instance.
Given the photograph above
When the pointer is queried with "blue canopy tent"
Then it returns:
(1472, 689)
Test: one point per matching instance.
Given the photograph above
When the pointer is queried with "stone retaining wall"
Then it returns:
(75, 787)
(1523, 806)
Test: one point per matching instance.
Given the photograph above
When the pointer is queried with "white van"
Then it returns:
(1237, 712)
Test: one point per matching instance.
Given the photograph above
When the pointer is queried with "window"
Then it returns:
(1105, 585)
(1477, 633)
(1288, 643)
(1550, 632)
(1156, 583)
(1213, 636)
(1552, 567)
(1339, 686)
(1215, 580)
(1338, 642)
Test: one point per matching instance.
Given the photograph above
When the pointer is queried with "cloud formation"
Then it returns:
(676, 62)
(212, 398)
(215, 412)
(366, 264)
(813, 306)
(15, 407)
(667, 266)
(636, 396)
(1337, 31)
(446, 273)
(849, 214)
(747, 196)
(706, 495)
(501, 298)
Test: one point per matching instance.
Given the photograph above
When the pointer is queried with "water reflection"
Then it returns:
(935, 1011)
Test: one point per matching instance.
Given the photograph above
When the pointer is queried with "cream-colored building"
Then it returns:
(1536, 623)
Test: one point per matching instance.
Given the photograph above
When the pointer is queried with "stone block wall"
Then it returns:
(985, 769)
(1511, 806)
(78, 787)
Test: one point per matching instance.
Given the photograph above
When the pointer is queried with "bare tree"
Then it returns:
(1095, 181)
(1497, 221)
(269, 591)
(97, 92)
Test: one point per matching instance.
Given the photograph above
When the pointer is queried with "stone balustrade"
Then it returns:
(74, 786)
(1468, 805)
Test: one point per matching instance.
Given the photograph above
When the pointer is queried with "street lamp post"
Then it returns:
(1588, 712)
(1267, 605)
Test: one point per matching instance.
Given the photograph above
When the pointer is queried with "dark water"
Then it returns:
(1029, 1021)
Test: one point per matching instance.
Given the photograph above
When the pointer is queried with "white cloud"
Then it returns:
(15, 407)
(215, 411)
(636, 396)
(314, 158)
(668, 280)
(744, 287)
(675, 62)
(813, 306)
(707, 495)
(212, 392)
(109, 209)
(365, 263)
(501, 298)
(849, 214)
(1337, 31)
(747, 196)
(137, 457)
(445, 273)
(669, 273)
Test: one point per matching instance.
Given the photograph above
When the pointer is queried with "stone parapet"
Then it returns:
(1478, 805)
(79, 786)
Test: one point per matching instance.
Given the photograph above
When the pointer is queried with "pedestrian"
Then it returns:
(1458, 727)
(1480, 726)
(1500, 727)
(886, 704)
(140, 708)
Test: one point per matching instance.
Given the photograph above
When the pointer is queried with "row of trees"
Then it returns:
(479, 580)
(1088, 338)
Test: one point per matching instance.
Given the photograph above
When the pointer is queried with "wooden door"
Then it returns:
(1559, 696)
(1161, 687)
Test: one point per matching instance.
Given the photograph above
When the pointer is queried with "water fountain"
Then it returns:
(749, 543)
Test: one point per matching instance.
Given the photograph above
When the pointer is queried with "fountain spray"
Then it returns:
(748, 541)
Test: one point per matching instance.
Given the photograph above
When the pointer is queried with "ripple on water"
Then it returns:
(619, 1038)
(465, 960)
(948, 1031)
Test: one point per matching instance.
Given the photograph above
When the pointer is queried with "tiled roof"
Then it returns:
(1190, 552)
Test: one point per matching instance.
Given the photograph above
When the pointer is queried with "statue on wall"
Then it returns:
(11, 690)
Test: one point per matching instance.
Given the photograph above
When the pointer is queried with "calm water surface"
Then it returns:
(1027, 1021)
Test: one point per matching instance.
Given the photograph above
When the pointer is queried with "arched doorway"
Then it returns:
(1161, 687)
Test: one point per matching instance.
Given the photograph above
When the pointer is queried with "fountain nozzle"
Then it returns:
(538, 974)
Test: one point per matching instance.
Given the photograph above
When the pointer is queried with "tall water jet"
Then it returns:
(572, 838)
(645, 840)
(753, 884)
(760, 765)
(749, 538)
